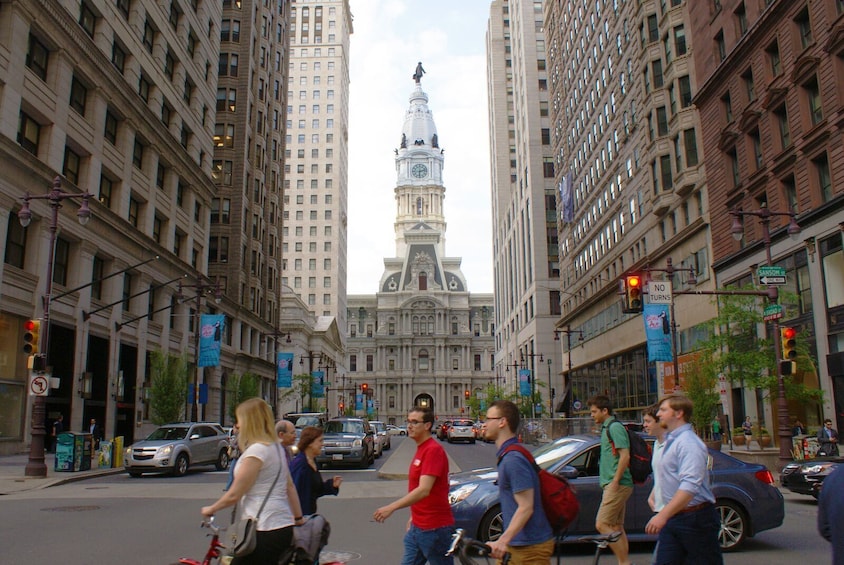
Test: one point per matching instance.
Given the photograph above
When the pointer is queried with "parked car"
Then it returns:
(746, 499)
(442, 430)
(461, 430)
(396, 430)
(347, 441)
(381, 434)
(302, 420)
(174, 448)
(806, 477)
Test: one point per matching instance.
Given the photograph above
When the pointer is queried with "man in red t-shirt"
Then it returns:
(431, 522)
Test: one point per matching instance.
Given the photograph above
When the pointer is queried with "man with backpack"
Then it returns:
(527, 534)
(615, 478)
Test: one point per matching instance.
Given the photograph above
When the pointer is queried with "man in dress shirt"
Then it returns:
(688, 524)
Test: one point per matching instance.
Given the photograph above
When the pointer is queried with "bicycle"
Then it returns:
(461, 545)
(601, 541)
(214, 548)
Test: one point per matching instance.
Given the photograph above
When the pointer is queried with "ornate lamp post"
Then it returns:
(35, 467)
(737, 230)
(202, 288)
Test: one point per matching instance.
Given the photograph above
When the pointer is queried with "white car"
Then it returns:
(396, 430)
(381, 436)
(461, 430)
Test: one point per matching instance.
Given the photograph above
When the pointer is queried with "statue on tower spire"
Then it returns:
(417, 76)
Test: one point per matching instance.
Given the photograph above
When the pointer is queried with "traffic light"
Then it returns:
(31, 334)
(632, 290)
(342, 408)
(466, 394)
(788, 342)
(364, 388)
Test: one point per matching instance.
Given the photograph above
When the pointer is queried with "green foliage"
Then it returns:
(303, 384)
(699, 386)
(480, 400)
(168, 394)
(240, 388)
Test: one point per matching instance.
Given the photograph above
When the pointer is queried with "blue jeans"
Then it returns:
(427, 546)
(690, 538)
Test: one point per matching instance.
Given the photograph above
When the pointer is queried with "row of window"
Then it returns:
(421, 362)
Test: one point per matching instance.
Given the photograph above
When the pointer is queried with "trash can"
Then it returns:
(73, 452)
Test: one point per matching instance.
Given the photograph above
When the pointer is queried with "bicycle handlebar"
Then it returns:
(460, 539)
(209, 523)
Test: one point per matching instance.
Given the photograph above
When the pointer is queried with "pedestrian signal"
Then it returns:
(632, 289)
(788, 341)
(31, 334)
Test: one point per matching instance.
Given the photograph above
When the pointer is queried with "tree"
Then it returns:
(303, 384)
(168, 393)
(240, 388)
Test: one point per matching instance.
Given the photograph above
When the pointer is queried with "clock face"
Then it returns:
(419, 171)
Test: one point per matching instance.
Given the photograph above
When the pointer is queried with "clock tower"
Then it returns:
(419, 166)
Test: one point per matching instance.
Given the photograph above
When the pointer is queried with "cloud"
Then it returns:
(390, 37)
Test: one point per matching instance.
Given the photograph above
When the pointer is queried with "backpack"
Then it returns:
(640, 454)
(558, 498)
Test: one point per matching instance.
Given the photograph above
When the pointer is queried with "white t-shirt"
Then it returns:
(276, 513)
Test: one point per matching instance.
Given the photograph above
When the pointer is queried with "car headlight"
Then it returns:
(819, 468)
(166, 450)
(357, 443)
(461, 493)
(127, 451)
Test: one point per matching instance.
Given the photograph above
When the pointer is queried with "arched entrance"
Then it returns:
(425, 401)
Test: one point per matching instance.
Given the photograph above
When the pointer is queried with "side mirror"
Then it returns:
(569, 472)
(194, 436)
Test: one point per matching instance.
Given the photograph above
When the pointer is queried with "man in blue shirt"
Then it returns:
(688, 524)
(831, 513)
(527, 533)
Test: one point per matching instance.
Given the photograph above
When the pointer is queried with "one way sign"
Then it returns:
(772, 281)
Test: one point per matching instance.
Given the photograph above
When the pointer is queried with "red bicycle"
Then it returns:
(214, 548)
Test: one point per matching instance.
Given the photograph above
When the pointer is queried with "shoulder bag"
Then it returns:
(244, 531)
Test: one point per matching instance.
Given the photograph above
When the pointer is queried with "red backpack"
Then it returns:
(558, 498)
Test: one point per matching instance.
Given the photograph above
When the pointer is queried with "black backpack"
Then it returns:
(640, 454)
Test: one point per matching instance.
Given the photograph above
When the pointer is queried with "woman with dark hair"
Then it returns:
(306, 475)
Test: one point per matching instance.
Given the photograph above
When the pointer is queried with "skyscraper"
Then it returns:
(316, 157)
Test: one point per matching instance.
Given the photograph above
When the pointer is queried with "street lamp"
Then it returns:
(569, 389)
(737, 230)
(532, 378)
(550, 392)
(36, 467)
(310, 357)
(202, 288)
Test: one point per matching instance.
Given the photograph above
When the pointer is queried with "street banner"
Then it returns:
(358, 402)
(524, 382)
(284, 370)
(370, 406)
(318, 384)
(567, 198)
(211, 327)
(658, 332)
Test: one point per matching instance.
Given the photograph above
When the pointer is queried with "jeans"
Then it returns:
(427, 546)
(690, 538)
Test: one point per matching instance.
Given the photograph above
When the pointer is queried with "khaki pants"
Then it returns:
(539, 554)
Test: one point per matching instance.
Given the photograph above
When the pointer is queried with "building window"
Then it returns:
(804, 28)
(15, 244)
(118, 57)
(690, 144)
(665, 169)
(821, 165)
(29, 133)
(662, 121)
(37, 57)
(720, 46)
(61, 265)
(685, 85)
(773, 52)
(134, 209)
(680, 41)
(727, 104)
(423, 360)
(72, 164)
(477, 358)
(78, 95)
(756, 147)
(353, 363)
(749, 85)
(87, 18)
(781, 116)
(733, 166)
(813, 95)
(369, 363)
(653, 28)
(138, 154)
(106, 190)
(656, 66)
(741, 18)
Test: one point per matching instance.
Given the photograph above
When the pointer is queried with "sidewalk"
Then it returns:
(13, 480)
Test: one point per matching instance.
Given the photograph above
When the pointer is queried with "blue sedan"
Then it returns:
(747, 501)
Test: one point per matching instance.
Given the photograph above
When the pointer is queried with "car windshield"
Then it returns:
(551, 453)
(463, 423)
(379, 427)
(340, 427)
(169, 433)
(305, 421)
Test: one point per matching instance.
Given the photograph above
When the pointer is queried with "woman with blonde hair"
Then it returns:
(262, 462)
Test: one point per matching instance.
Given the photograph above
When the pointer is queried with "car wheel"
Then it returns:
(492, 525)
(181, 466)
(388, 447)
(135, 474)
(733, 525)
(222, 460)
(402, 433)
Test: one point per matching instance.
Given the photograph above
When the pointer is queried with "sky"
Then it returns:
(390, 37)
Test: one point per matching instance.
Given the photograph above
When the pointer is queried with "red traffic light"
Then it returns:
(634, 281)
(789, 333)
(29, 325)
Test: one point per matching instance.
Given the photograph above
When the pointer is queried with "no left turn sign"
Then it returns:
(39, 385)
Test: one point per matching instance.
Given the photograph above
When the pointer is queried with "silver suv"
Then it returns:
(347, 440)
(173, 448)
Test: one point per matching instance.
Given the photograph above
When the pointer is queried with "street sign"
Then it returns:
(772, 312)
(659, 292)
(770, 271)
(39, 385)
(772, 280)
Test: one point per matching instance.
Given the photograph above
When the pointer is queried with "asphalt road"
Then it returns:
(156, 520)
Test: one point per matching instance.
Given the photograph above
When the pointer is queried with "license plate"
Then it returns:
(337, 457)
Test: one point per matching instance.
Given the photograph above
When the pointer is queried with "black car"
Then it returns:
(806, 477)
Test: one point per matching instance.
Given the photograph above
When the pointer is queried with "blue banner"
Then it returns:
(567, 198)
(318, 384)
(524, 382)
(370, 406)
(211, 328)
(658, 332)
(284, 370)
(358, 402)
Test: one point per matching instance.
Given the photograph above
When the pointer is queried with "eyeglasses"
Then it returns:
(494, 418)
(414, 422)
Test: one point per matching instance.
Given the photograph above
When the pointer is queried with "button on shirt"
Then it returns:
(683, 466)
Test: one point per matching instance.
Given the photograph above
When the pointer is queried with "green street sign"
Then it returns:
(772, 312)
(770, 271)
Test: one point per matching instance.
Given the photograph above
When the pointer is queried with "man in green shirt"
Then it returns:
(615, 478)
